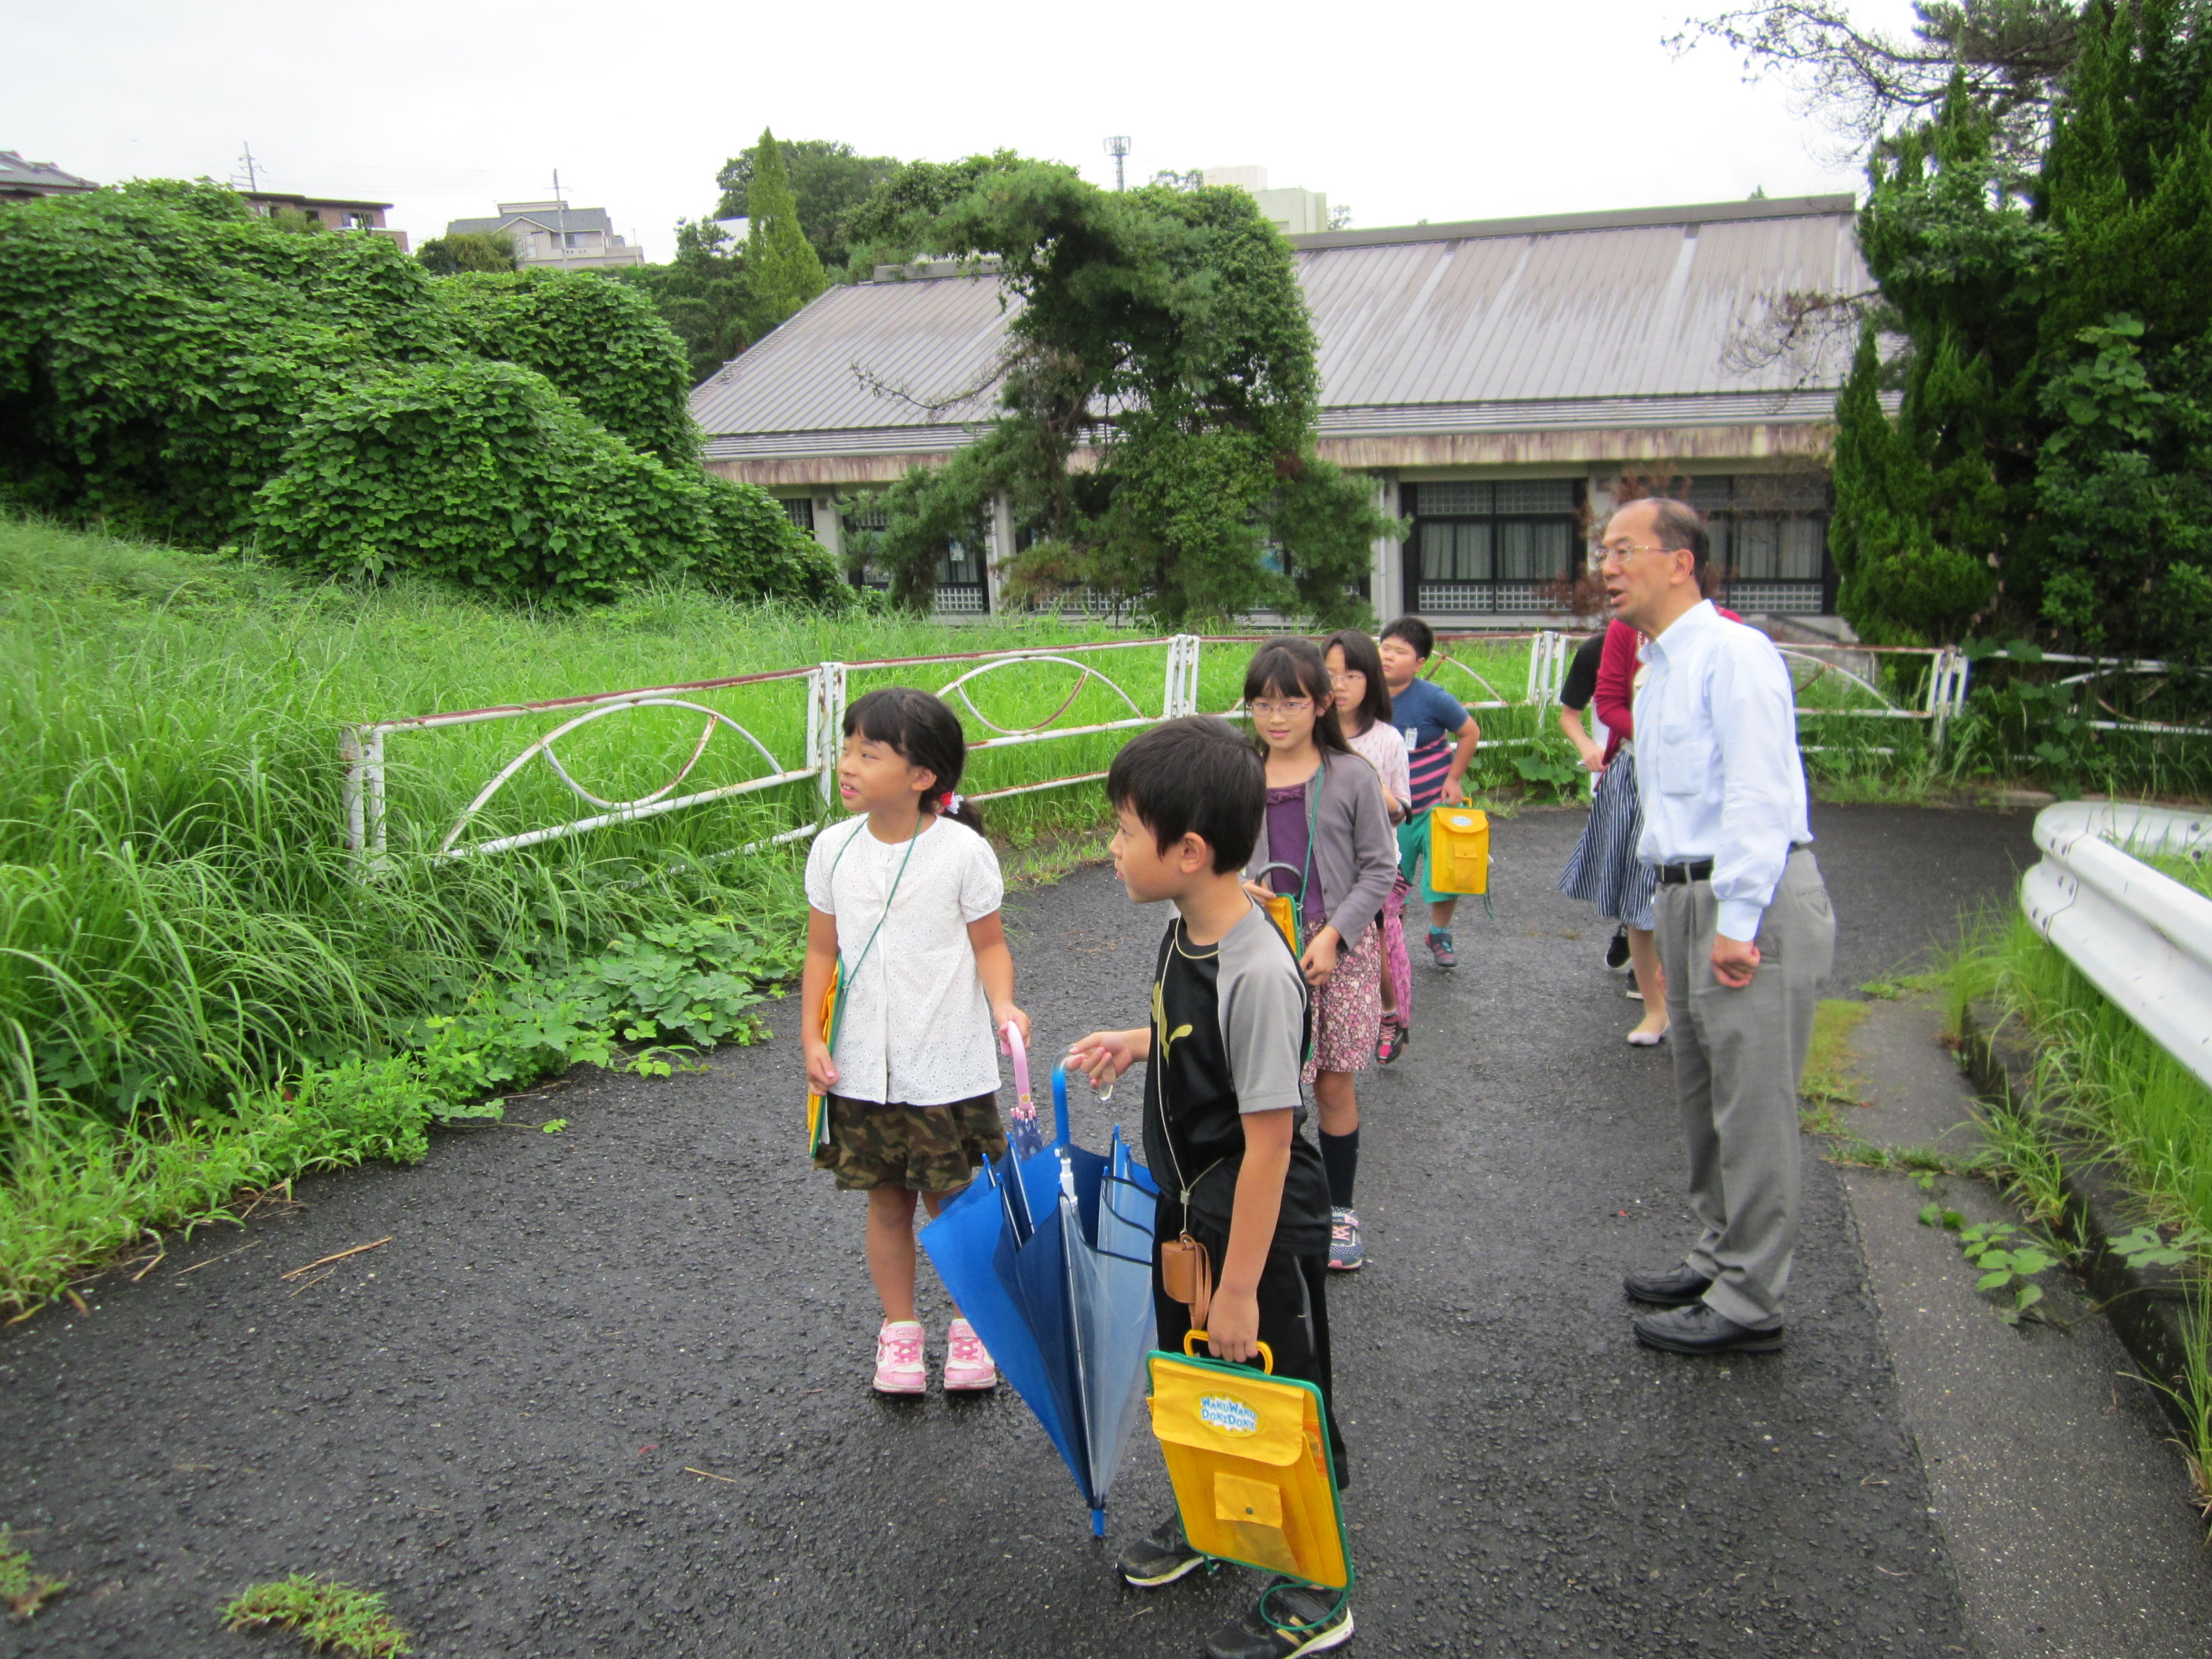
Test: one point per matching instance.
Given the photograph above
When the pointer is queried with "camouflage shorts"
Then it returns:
(930, 1149)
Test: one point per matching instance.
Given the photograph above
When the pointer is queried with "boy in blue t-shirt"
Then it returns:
(1441, 738)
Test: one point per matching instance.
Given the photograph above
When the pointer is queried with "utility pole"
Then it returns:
(1118, 148)
(561, 217)
(252, 179)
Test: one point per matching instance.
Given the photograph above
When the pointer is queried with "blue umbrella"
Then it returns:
(1050, 1259)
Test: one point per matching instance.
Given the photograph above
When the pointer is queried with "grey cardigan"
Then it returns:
(1355, 851)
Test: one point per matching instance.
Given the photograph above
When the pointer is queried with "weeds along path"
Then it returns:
(605, 1391)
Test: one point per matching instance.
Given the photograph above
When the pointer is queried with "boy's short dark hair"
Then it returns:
(1195, 775)
(1415, 633)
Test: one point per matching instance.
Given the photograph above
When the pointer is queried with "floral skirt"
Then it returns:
(1347, 1012)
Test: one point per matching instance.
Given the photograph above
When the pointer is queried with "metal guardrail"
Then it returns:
(2138, 935)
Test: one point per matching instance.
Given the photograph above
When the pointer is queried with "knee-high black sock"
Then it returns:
(1340, 1156)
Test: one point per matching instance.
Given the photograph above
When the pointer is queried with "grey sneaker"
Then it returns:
(1289, 1619)
(1346, 1252)
(1160, 1557)
(1440, 947)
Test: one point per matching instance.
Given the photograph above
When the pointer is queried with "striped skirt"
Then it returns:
(1603, 869)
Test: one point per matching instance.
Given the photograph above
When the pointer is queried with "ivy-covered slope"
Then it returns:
(172, 366)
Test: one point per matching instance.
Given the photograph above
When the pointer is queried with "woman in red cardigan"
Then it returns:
(1604, 869)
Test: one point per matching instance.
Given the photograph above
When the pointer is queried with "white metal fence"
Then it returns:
(364, 747)
(2138, 935)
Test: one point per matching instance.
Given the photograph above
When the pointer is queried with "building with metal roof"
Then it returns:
(22, 181)
(554, 235)
(1500, 380)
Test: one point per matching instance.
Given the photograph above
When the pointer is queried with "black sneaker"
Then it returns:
(1288, 1619)
(1160, 1557)
(1616, 952)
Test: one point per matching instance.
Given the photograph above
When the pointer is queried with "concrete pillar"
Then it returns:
(1386, 576)
(997, 544)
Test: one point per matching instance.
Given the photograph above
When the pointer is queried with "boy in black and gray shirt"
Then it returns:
(1223, 1109)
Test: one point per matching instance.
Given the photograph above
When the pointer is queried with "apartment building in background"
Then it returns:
(329, 212)
(552, 235)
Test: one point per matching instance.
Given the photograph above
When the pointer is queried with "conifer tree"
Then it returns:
(2125, 473)
(787, 271)
(2049, 470)
(1928, 505)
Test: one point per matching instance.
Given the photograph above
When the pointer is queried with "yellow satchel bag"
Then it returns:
(1459, 850)
(817, 1107)
(1248, 1452)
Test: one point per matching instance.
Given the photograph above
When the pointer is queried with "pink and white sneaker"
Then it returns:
(898, 1359)
(967, 1367)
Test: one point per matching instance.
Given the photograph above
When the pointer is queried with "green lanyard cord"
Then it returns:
(845, 978)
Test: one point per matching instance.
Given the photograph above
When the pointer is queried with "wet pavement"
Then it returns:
(606, 1391)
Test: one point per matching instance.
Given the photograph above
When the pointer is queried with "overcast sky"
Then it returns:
(1404, 111)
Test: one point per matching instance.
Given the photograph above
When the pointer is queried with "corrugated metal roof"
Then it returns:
(1590, 320)
(900, 354)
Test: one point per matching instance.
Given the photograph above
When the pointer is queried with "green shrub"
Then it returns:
(158, 344)
(483, 474)
(170, 364)
(753, 548)
(602, 342)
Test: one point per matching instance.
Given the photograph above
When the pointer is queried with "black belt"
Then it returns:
(1681, 875)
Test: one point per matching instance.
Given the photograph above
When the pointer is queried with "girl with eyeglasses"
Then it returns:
(1327, 843)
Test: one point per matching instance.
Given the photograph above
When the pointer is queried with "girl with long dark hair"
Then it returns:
(1326, 840)
(1362, 709)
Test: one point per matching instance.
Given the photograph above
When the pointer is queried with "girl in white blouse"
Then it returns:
(905, 898)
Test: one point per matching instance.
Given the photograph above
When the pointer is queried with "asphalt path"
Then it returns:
(606, 1391)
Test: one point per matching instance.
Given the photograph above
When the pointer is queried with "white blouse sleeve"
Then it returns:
(820, 857)
(983, 889)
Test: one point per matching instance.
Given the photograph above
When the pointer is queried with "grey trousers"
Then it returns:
(1738, 1057)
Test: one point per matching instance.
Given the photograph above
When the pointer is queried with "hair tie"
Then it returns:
(952, 800)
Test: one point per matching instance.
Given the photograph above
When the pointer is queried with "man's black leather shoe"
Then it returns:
(1674, 1288)
(1700, 1330)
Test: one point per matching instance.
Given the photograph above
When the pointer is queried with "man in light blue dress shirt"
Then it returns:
(1745, 931)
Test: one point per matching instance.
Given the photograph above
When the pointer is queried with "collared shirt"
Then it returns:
(1717, 763)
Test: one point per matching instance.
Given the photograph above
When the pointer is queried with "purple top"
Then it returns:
(1286, 844)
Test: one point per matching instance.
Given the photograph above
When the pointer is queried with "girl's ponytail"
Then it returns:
(921, 728)
(956, 806)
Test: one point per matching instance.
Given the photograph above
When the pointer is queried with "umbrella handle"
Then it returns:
(1019, 1050)
(1191, 1339)
(1060, 1104)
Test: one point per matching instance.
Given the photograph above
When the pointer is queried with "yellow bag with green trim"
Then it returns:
(1249, 1455)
